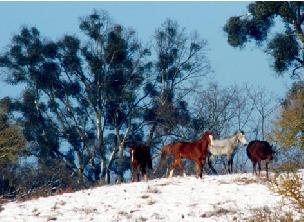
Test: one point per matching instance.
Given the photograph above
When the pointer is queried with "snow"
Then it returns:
(213, 198)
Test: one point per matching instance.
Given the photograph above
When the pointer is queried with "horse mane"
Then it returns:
(239, 131)
(207, 133)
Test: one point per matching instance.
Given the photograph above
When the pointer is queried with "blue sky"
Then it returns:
(230, 65)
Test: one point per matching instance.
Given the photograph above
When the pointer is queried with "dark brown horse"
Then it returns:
(196, 151)
(140, 160)
(258, 151)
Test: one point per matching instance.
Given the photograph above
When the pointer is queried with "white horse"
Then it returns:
(226, 147)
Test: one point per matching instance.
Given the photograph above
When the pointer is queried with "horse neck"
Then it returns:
(203, 143)
(233, 141)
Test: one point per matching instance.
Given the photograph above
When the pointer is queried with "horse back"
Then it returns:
(189, 150)
(142, 156)
(259, 150)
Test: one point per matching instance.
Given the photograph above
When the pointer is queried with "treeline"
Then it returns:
(87, 97)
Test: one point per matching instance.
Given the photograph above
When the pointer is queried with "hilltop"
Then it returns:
(233, 197)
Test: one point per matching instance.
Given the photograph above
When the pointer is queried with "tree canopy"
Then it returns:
(289, 129)
(286, 47)
(12, 142)
(87, 97)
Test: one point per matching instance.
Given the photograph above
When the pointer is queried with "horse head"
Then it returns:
(132, 150)
(209, 137)
(275, 153)
(241, 137)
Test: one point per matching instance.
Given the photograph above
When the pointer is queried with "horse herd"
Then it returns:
(199, 151)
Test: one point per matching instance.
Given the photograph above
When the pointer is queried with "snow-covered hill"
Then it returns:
(213, 198)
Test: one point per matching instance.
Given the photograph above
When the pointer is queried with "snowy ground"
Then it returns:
(214, 198)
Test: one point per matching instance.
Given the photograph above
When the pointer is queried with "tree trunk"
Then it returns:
(103, 168)
(120, 148)
(100, 145)
(80, 168)
(111, 159)
(262, 126)
(151, 133)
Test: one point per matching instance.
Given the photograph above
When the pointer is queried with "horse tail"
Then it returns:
(149, 160)
(248, 147)
(248, 154)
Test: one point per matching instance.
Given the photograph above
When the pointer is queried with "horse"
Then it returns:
(226, 147)
(196, 151)
(258, 151)
(140, 160)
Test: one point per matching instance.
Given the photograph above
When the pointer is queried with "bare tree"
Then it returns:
(264, 105)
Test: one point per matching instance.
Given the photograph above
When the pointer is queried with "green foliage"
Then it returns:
(283, 47)
(180, 57)
(235, 28)
(12, 142)
(290, 124)
(76, 89)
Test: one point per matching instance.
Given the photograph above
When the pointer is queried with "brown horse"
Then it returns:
(196, 151)
(258, 151)
(140, 160)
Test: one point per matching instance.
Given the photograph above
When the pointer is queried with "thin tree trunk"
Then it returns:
(81, 166)
(120, 147)
(100, 144)
(111, 159)
(151, 133)
(262, 127)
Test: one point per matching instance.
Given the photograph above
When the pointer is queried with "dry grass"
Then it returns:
(145, 196)
(217, 212)
(141, 219)
(151, 201)
(289, 185)
(265, 215)
(246, 180)
(43, 192)
(51, 218)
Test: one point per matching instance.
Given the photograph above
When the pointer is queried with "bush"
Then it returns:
(289, 185)
(265, 215)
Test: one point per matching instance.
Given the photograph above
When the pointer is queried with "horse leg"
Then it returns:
(144, 173)
(197, 167)
(137, 173)
(254, 167)
(231, 162)
(210, 165)
(267, 170)
(132, 175)
(174, 165)
(224, 163)
(202, 167)
(229, 165)
(259, 165)
(133, 168)
(181, 166)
